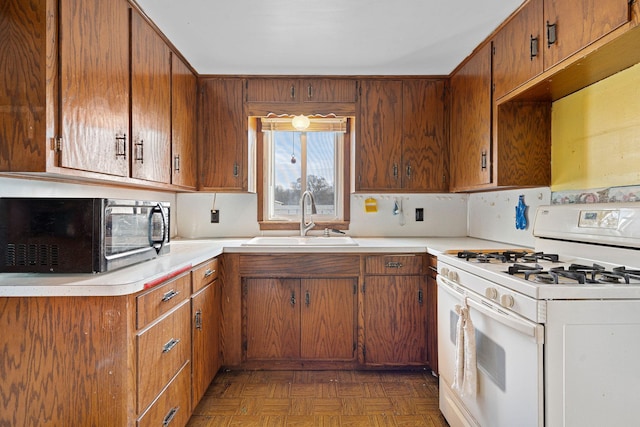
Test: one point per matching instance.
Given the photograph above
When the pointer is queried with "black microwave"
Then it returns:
(80, 235)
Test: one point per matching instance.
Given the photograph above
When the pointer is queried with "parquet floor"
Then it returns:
(320, 399)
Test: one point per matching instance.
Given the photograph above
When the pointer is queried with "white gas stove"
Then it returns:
(557, 327)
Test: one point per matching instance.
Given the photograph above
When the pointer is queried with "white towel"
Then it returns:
(465, 376)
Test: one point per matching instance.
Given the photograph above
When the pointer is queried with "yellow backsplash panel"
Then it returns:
(595, 135)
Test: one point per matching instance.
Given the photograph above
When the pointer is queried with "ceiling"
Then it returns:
(327, 37)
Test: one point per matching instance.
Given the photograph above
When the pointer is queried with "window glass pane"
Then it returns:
(287, 170)
(321, 166)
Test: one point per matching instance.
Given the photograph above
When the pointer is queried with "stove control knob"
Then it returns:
(444, 271)
(491, 293)
(507, 301)
(453, 276)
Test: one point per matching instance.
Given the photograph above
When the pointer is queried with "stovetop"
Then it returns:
(543, 275)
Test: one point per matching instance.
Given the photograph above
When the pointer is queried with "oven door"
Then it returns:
(509, 359)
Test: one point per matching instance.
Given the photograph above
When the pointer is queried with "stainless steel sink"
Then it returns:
(301, 241)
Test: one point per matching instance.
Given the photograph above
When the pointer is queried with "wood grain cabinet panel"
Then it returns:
(94, 85)
(161, 298)
(471, 106)
(184, 86)
(292, 91)
(572, 25)
(300, 319)
(424, 136)
(172, 407)
(432, 313)
(519, 49)
(162, 349)
(222, 156)
(379, 146)
(151, 103)
(395, 310)
(205, 327)
(395, 320)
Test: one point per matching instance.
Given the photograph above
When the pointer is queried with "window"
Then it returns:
(296, 161)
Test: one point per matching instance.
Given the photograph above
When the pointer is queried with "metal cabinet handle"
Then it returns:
(170, 345)
(394, 264)
(139, 157)
(420, 297)
(198, 319)
(307, 298)
(293, 92)
(409, 170)
(395, 170)
(121, 146)
(533, 47)
(310, 91)
(236, 170)
(170, 416)
(208, 273)
(483, 160)
(176, 163)
(170, 295)
(293, 299)
(552, 33)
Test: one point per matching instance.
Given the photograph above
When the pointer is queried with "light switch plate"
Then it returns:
(419, 214)
(215, 216)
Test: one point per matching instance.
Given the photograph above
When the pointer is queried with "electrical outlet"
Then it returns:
(419, 214)
(215, 216)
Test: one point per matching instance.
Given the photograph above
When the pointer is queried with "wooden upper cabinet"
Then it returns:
(277, 90)
(328, 90)
(518, 49)
(571, 25)
(379, 146)
(470, 133)
(94, 85)
(222, 159)
(151, 103)
(424, 138)
(184, 86)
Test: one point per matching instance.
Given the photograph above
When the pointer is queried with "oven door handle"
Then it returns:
(490, 309)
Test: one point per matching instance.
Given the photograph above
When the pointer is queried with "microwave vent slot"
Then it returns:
(31, 255)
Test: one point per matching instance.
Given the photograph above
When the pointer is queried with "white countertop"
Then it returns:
(189, 253)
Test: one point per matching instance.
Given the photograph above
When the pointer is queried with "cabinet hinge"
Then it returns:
(57, 144)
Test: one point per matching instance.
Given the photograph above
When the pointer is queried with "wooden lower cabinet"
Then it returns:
(395, 310)
(172, 408)
(205, 312)
(295, 319)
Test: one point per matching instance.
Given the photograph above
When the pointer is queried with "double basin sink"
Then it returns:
(301, 241)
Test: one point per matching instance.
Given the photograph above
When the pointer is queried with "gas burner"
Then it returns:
(540, 256)
(488, 257)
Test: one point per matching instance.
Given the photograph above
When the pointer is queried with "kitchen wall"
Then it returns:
(492, 215)
(596, 135)
(444, 215)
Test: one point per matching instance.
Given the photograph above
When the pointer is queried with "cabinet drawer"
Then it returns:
(394, 264)
(299, 265)
(172, 408)
(162, 350)
(161, 299)
(204, 274)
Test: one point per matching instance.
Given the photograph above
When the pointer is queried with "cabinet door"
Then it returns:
(470, 149)
(579, 23)
(273, 318)
(379, 145)
(395, 320)
(424, 139)
(204, 318)
(94, 85)
(151, 103)
(183, 124)
(328, 90)
(272, 90)
(222, 154)
(328, 319)
(518, 49)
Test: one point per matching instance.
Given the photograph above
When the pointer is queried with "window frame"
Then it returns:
(265, 223)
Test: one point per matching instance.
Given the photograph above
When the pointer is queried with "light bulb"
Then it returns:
(300, 122)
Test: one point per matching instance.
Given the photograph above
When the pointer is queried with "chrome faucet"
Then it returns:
(304, 227)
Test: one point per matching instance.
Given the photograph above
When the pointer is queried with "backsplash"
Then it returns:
(444, 215)
(630, 193)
